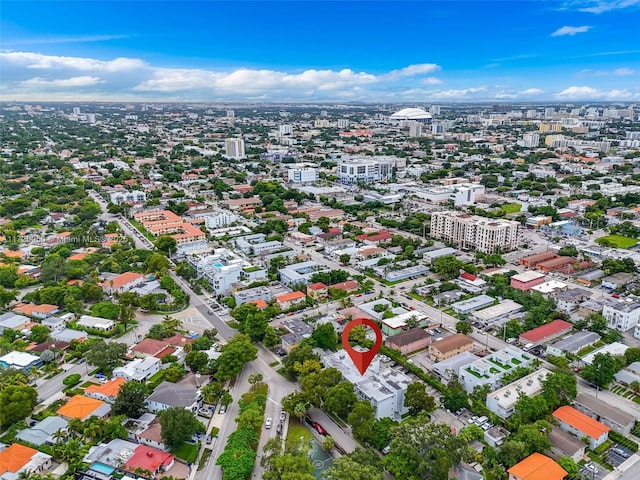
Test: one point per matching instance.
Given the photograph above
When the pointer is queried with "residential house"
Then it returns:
(450, 346)
(537, 467)
(138, 370)
(21, 361)
(43, 432)
(581, 425)
(37, 311)
(317, 291)
(13, 321)
(168, 395)
(82, 407)
(287, 301)
(409, 341)
(96, 323)
(298, 330)
(122, 283)
(107, 392)
(16, 459)
(150, 459)
(350, 286)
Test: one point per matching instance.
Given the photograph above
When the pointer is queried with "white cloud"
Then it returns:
(413, 70)
(562, 31)
(600, 6)
(39, 61)
(590, 93)
(454, 93)
(431, 81)
(618, 72)
(83, 81)
(57, 40)
(532, 91)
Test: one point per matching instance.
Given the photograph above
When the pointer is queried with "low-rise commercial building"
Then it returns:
(395, 325)
(616, 281)
(472, 304)
(533, 260)
(527, 280)
(252, 294)
(502, 310)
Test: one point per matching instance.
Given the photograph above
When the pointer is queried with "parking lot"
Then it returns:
(618, 454)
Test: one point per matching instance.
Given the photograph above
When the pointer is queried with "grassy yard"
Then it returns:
(511, 207)
(187, 452)
(297, 430)
(618, 241)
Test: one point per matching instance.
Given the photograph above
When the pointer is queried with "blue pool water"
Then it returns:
(102, 468)
(217, 265)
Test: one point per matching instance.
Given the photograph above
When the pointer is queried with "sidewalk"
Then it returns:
(631, 465)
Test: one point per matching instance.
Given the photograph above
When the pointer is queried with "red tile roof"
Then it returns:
(147, 458)
(468, 276)
(545, 331)
(581, 422)
(316, 286)
(537, 467)
(287, 297)
(348, 285)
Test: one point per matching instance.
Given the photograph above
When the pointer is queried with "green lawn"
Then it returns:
(618, 241)
(511, 207)
(297, 430)
(187, 452)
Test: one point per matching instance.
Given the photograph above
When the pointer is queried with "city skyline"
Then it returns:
(560, 51)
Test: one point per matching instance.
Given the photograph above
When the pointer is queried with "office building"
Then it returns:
(470, 232)
(234, 148)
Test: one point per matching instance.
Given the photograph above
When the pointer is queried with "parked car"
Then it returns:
(223, 409)
(209, 439)
(319, 428)
(386, 449)
(591, 467)
(283, 416)
(82, 360)
(279, 429)
(623, 453)
(268, 423)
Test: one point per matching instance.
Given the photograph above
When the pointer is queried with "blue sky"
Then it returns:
(372, 51)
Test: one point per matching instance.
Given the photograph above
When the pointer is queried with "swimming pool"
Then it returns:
(101, 468)
(217, 265)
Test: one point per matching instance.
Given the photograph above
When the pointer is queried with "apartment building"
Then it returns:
(252, 295)
(120, 196)
(471, 232)
(490, 369)
(622, 315)
(298, 272)
(219, 219)
(502, 402)
(450, 347)
(234, 148)
(383, 387)
(302, 175)
(367, 170)
(580, 425)
(223, 268)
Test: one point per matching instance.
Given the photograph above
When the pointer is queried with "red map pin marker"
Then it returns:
(361, 360)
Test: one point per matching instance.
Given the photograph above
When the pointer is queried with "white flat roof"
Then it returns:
(614, 349)
(20, 359)
(529, 386)
(528, 276)
(550, 286)
(401, 320)
(503, 308)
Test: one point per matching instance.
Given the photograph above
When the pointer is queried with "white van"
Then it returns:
(481, 420)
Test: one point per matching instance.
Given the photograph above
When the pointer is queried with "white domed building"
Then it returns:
(412, 115)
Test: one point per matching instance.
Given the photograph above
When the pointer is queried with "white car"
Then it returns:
(591, 467)
(268, 423)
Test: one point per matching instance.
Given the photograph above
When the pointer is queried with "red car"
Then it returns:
(319, 428)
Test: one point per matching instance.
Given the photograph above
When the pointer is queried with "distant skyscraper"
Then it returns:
(434, 110)
(437, 128)
(549, 111)
(530, 140)
(343, 123)
(286, 130)
(415, 129)
(231, 114)
(235, 148)
(76, 110)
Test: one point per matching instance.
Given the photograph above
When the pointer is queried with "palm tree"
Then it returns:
(635, 386)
